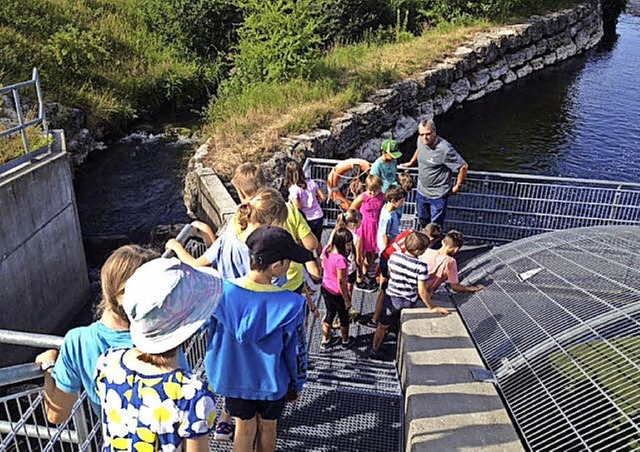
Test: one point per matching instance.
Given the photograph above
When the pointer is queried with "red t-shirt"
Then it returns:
(397, 244)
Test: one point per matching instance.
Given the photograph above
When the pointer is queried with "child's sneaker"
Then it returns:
(367, 286)
(377, 355)
(350, 342)
(325, 345)
(224, 431)
(371, 324)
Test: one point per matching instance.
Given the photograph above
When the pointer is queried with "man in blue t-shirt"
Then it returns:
(437, 161)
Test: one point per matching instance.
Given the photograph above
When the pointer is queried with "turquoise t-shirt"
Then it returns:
(76, 363)
(386, 171)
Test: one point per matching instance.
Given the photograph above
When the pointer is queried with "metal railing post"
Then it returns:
(41, 110)
(23, 131)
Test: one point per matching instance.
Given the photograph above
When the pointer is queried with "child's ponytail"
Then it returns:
(266, 208)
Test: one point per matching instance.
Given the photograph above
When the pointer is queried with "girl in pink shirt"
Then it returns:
(334, 287)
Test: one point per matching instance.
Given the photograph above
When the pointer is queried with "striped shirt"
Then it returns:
(404, 273)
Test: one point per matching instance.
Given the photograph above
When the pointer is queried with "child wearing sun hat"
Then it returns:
(148, 401)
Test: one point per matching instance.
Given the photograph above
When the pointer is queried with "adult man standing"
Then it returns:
(437, 161)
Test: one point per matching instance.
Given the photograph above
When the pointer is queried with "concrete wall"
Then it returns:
(445, 407)
(43, 274)
(205, 195)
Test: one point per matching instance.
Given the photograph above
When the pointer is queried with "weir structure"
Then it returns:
(545, 340)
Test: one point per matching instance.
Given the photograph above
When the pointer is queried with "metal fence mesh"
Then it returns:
(559, 325)
(502, 208)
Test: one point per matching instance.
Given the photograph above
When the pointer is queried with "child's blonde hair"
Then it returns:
(267, 207)
(351, 216)
(117, 269)
(374, 183)
(249, 179)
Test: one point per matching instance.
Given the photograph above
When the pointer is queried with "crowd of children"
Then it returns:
(249, 289)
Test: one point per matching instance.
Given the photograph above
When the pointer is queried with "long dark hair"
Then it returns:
(341, 237)
(295, 176)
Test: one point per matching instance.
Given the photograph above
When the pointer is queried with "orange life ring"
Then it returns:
(337, 177)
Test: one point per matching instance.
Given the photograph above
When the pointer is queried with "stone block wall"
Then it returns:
(476, 69)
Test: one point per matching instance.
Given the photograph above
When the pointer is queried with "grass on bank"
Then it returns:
(98, 55)
(246, 126)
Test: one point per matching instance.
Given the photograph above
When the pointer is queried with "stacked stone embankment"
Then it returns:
(480, 67)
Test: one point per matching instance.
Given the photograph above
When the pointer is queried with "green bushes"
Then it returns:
(205, 27)
(279, 40)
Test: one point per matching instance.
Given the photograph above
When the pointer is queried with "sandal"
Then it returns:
(224, 431)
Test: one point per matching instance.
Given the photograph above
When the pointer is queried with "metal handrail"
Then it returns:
(520, 176)
(22, 125)
(502, 207)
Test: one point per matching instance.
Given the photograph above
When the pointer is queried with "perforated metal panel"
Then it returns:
(559, 325)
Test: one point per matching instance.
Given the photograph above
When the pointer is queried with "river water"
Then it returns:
(577, 119)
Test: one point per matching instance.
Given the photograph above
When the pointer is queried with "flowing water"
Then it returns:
(576, 119)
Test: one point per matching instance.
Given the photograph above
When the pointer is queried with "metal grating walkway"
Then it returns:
(559, 325)
(350, 403)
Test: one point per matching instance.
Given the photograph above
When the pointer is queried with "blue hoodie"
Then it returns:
(257, 345)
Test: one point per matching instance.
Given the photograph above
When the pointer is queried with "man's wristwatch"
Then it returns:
(45, 366)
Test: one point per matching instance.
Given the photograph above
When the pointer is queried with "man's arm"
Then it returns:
(411, 162)
(58, 403)
(423, 291)
(462, 175)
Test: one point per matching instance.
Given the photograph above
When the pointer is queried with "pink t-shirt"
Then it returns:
(309, 204)
(441, 268)
(330, 266)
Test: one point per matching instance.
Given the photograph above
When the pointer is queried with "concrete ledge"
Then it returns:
(445, 408)
(215, 204)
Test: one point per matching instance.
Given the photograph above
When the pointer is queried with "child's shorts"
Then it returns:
(353, 277)
(391, 307)
(247, 409)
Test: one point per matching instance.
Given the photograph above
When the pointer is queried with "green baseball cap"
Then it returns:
(391, 147)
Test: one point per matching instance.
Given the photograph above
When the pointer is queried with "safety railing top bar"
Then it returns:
(22, 125)
(503, 207)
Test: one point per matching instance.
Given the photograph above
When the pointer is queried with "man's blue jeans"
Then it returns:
(431, 210)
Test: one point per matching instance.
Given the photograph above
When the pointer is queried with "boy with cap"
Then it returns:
(386, 166)
(258, 332)
(148, 401)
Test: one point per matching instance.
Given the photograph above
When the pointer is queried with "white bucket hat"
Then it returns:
(168, 301)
